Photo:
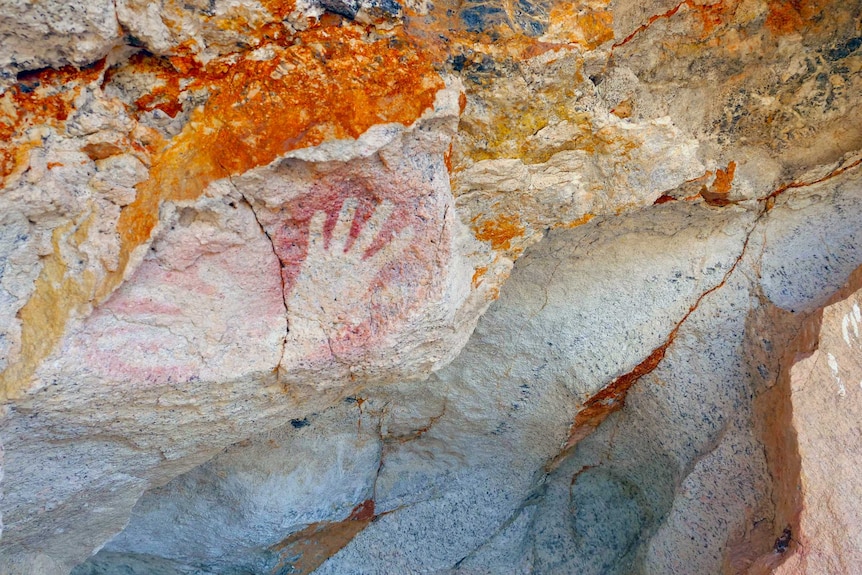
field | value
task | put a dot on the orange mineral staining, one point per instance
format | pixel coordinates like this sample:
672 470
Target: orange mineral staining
612 398
579 24
717 194
56 296
789 16
44 97
333 81
711 17
305 550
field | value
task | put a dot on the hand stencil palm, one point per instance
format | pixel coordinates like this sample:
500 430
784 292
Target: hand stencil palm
331 291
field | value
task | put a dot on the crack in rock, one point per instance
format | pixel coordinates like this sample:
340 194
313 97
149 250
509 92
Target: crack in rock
280 274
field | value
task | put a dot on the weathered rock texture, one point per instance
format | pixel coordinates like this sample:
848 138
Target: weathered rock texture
823 389
435 287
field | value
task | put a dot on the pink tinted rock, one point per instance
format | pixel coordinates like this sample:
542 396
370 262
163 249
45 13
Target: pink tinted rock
826 394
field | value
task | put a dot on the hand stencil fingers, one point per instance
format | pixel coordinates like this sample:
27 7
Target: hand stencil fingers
331 291
373 227
315 233
392 250
341 231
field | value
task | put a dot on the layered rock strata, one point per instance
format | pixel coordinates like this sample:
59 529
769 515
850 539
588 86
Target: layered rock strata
247 249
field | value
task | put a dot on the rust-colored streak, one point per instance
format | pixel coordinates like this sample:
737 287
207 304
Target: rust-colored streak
612 397
770 199
650 21
500 232
304 551
711 16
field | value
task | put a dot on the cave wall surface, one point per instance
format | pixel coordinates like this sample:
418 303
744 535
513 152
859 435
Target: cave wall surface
477 287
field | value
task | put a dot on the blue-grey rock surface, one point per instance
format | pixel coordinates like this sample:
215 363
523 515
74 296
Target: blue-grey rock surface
468 470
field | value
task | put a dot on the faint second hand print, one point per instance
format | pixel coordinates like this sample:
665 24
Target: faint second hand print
330 296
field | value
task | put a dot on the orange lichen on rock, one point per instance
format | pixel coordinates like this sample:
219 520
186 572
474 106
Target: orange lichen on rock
39 98
575 223
165 94
500 231
586 26
330 82
477 275
279 9
724 179
334 82
305 550
718 193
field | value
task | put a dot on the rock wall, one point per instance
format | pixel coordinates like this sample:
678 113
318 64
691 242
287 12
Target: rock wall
432 287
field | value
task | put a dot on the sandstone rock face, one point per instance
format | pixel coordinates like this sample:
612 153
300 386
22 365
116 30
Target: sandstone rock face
433 287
